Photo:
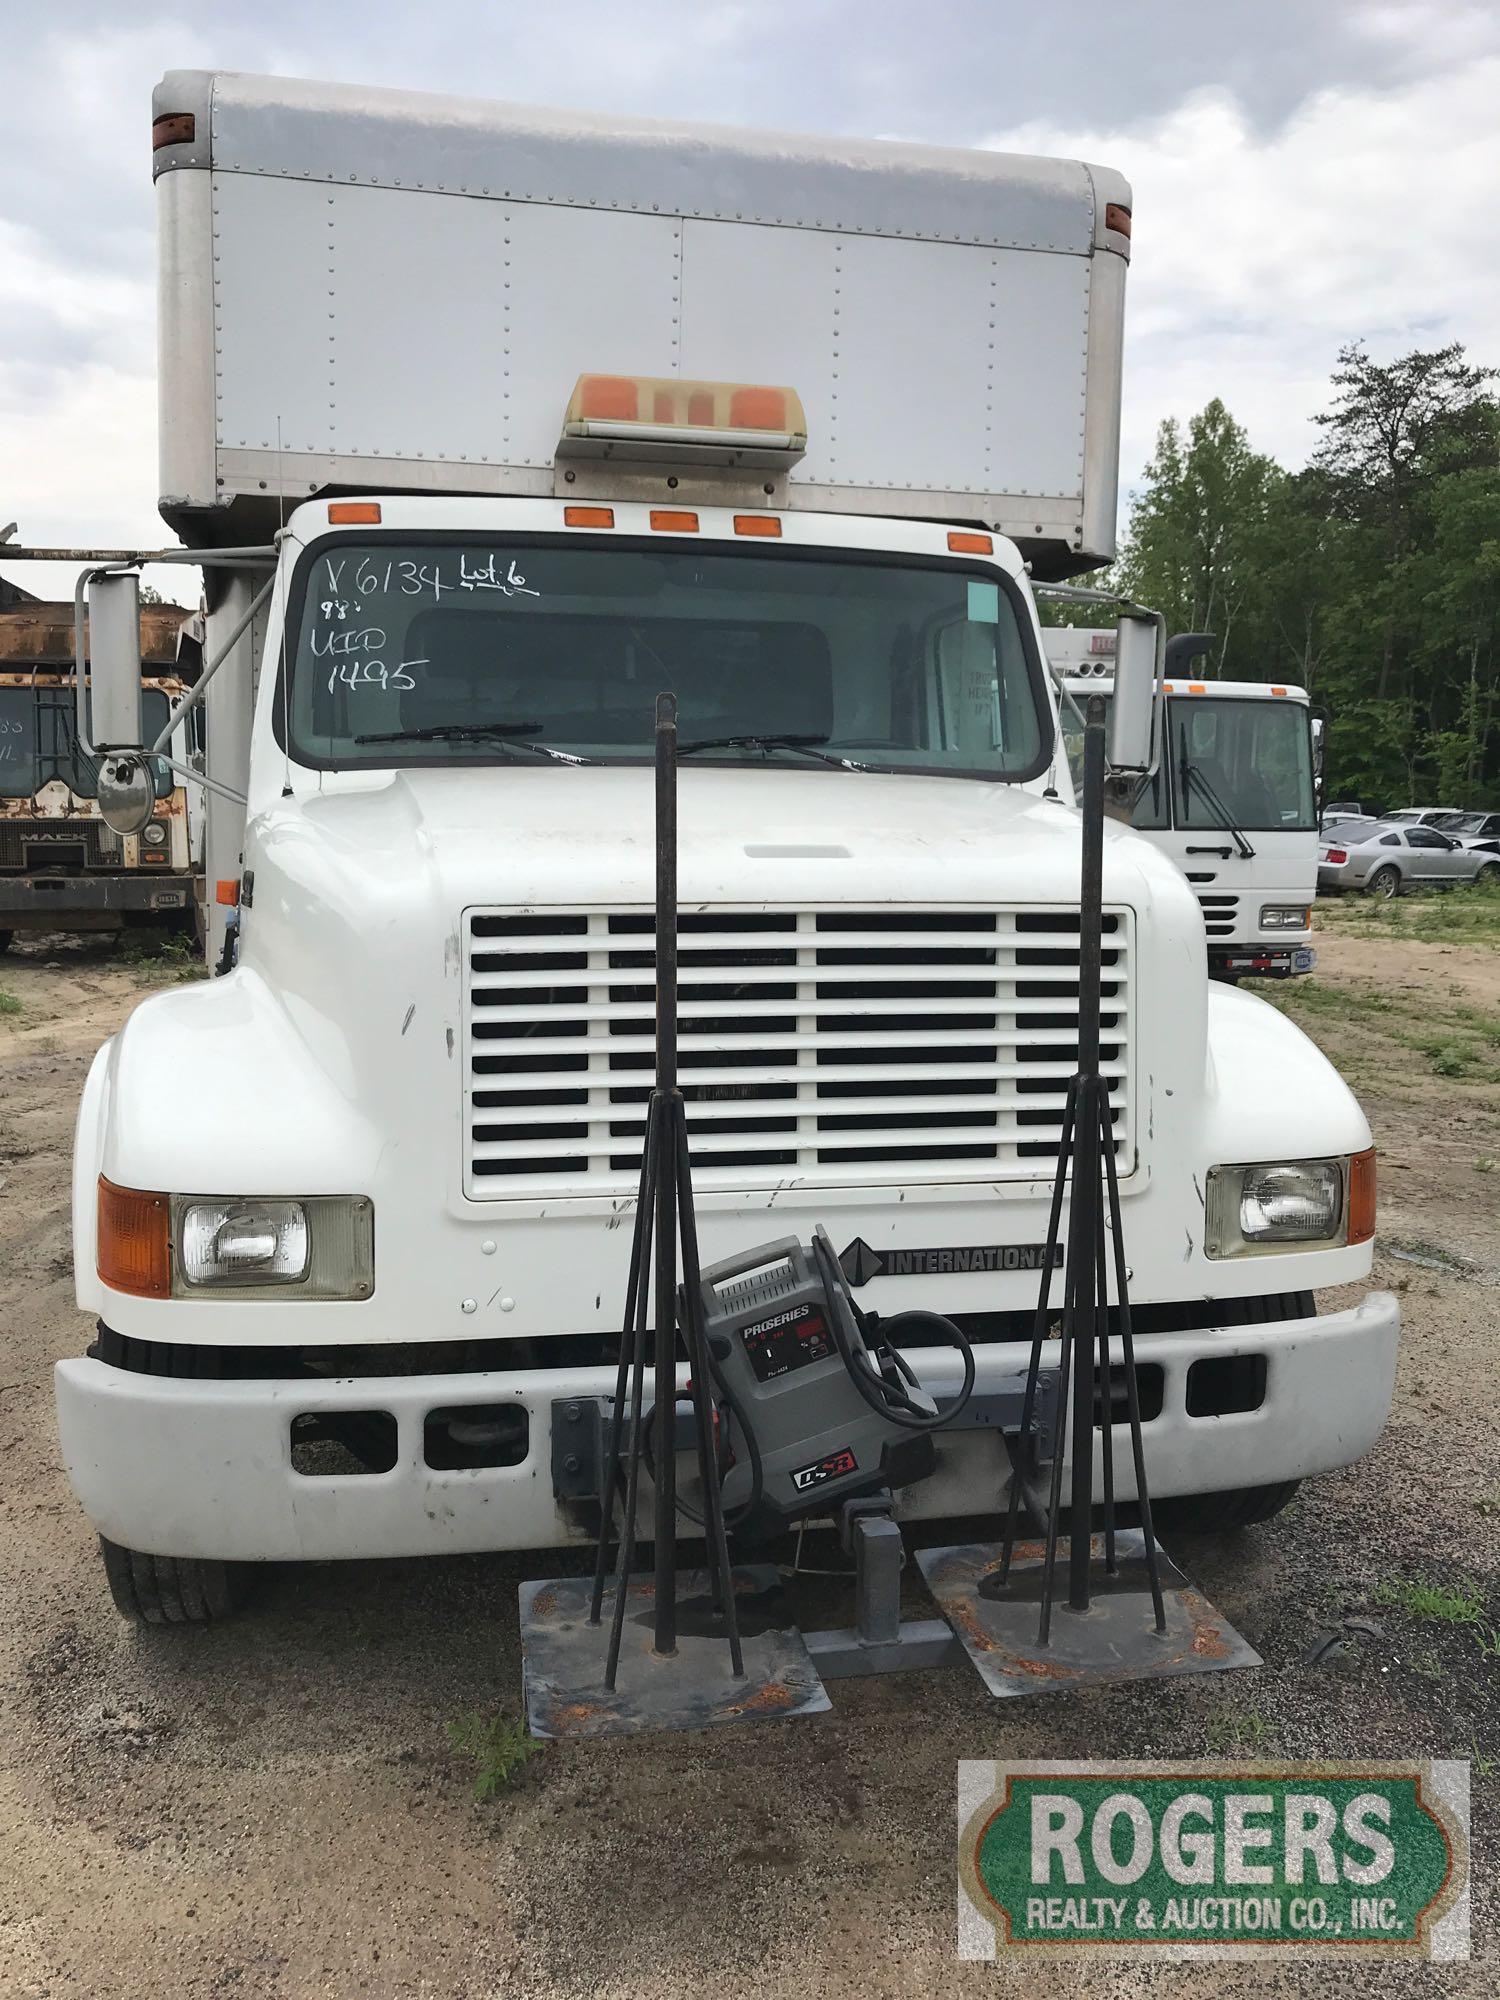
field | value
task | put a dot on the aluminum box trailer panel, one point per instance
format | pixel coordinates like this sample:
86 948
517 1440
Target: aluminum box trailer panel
378 290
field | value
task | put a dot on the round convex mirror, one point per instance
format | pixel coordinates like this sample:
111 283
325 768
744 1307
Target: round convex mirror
126 793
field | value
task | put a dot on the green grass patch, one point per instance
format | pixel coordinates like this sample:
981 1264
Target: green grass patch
1466 915
1435 1603
1232 1733
498 1747
9 1004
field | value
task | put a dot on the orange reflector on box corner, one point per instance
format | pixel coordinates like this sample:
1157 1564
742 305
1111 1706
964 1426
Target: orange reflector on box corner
354 513
756 524
589 517
1117 218
971 545
1362 1197
174 128
227 892
667 523
134 1249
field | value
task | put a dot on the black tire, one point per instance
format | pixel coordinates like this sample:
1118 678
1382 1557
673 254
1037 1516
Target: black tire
167 1590
5 938
1489 874
1385 883
171 1590
1222 1513
1241 1506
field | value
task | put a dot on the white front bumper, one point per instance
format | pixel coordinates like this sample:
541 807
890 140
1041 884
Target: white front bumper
184 1468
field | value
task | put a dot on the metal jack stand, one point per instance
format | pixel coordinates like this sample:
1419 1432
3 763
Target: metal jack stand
720 1652
995 1598
880 1642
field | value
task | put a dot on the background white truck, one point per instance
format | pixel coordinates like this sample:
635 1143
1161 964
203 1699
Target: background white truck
358 1295
1233 802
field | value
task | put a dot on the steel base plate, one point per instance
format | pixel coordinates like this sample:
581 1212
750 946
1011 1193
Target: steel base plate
563 1659
1114 1640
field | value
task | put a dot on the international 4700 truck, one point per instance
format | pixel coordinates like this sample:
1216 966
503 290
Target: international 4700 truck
519 418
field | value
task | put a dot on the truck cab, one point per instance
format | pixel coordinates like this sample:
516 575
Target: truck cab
363 1295
1233 803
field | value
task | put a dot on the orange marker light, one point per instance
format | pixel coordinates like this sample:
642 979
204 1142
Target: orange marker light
227 892
589 517
1278 690
971 545
1117 218
1197 687
354 513
756 524
1362 1197
134 1252
667 523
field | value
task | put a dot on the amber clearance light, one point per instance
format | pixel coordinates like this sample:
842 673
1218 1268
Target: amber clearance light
134 1252
1362 1197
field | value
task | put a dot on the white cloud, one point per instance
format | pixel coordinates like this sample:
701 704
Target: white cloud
1258 254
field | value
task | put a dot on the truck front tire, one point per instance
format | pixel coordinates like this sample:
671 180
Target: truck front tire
1222 1513
171 1590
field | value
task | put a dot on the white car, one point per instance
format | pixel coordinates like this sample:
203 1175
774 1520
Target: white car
1422 815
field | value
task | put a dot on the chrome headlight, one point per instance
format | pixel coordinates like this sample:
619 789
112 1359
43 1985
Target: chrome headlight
154 835
240 1246
1285 917
1268 1206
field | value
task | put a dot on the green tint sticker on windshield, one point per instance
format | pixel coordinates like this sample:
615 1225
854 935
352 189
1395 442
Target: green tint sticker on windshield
984 602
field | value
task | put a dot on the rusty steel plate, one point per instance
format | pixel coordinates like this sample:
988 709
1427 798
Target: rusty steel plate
563 1659
1114 1640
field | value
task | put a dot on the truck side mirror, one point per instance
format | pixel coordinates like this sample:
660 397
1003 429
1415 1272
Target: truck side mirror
1136 682
125 788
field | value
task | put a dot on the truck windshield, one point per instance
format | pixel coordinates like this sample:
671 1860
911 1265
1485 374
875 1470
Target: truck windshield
39 742
900 663
1252 760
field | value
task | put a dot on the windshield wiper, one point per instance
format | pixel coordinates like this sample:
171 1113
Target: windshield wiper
505 735
1191 775
806 746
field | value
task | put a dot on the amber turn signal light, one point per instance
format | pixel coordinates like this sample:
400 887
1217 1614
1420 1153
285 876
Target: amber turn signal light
971 545
1362 1197
134 1252
354 513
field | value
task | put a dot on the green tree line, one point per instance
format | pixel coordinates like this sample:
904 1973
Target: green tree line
1371 577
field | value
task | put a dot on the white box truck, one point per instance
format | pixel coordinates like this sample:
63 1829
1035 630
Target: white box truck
1233 801
544 414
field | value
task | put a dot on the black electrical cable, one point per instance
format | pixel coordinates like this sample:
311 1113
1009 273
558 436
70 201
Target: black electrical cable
742 1512
885 1397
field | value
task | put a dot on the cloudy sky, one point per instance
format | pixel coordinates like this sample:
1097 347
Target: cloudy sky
1306 172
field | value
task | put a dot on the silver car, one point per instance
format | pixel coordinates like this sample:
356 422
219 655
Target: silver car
1386 858
1471 829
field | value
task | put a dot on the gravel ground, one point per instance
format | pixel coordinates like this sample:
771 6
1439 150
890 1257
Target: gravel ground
271 1808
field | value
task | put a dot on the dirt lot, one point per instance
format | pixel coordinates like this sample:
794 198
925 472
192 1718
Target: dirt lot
272 1808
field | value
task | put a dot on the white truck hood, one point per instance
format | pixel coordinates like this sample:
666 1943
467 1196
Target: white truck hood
523 836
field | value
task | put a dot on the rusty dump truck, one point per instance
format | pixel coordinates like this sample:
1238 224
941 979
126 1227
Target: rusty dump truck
61 867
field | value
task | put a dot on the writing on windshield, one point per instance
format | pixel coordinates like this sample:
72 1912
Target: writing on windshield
405 650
